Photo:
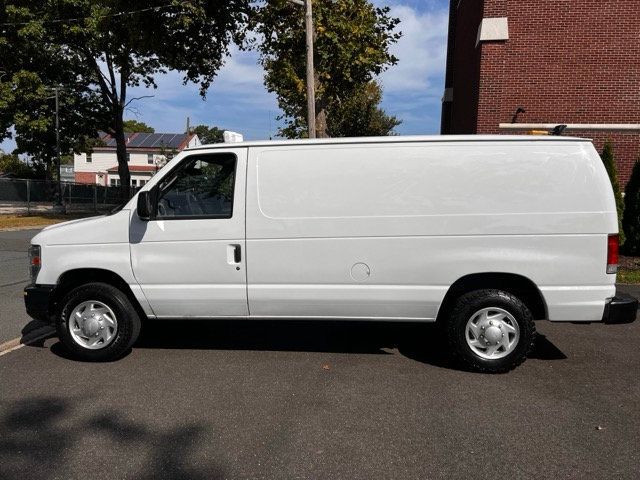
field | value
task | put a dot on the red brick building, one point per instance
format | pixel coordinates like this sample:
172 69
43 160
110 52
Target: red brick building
572 62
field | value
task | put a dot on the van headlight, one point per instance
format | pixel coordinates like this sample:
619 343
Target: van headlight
35 262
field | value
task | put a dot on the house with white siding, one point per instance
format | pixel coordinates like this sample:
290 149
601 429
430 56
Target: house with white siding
146 154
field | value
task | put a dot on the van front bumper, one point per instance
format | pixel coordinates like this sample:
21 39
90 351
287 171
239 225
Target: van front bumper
37 300
621 309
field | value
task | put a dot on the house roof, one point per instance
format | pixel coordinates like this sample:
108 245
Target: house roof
176 141
135 168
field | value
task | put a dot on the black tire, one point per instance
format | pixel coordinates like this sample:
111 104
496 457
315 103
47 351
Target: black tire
470 303
128 320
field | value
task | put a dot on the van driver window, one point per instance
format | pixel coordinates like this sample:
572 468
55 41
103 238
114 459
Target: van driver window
201 187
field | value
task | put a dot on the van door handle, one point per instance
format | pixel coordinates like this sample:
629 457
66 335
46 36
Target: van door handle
234 254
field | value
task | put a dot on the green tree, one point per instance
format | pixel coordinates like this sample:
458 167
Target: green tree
12 164
208 135
114 45
134 126
631 216
351 46
609 161
361 116
28 73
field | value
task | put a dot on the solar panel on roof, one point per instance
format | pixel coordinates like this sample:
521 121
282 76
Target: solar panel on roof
152 140
139 140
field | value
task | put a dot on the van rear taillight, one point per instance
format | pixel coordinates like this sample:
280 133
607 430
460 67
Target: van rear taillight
612 253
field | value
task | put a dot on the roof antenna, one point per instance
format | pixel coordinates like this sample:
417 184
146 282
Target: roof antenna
557 130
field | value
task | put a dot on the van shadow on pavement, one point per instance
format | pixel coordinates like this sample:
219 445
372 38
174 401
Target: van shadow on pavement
421 342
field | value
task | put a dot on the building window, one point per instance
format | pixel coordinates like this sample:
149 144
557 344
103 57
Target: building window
114 182
89 159
128 157
143 183
134 183
150 158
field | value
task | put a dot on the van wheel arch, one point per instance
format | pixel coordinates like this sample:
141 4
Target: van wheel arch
74 278
518 285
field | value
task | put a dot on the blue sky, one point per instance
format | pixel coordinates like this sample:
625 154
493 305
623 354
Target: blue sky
238 100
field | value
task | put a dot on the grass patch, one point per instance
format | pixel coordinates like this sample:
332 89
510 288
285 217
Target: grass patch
36 220
626 275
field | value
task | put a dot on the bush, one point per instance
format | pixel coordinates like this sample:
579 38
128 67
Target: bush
631 217
610 164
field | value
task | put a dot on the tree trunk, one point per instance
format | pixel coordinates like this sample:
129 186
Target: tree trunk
321 124
121 153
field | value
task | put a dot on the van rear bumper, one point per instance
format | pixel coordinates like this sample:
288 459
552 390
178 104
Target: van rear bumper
621 309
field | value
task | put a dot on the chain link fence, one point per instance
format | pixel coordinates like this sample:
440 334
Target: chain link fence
20 196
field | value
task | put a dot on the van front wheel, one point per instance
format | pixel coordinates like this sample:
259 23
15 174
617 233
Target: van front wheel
97 322
491 331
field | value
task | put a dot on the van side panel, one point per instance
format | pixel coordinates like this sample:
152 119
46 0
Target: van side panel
383 230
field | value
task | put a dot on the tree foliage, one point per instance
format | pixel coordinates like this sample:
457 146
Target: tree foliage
609 161
351 46
631 216
113 45
134 126
28 73
209 135
361 116
10 163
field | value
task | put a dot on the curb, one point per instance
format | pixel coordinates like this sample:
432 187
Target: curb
19 229
41 333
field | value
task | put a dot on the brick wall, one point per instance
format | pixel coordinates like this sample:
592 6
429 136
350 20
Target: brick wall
570 61
85 177
463 68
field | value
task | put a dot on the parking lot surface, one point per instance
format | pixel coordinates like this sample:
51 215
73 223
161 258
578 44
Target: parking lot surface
14 275
249 399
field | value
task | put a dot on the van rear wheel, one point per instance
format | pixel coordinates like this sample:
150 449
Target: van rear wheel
97 322
491 331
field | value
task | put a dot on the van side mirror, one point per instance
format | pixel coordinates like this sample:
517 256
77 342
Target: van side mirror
145 205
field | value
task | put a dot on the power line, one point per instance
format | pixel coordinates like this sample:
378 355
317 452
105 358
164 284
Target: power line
71 20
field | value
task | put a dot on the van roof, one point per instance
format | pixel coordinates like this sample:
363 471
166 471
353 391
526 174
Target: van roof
396 139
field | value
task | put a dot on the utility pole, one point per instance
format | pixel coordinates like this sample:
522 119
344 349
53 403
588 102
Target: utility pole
59 205
311 90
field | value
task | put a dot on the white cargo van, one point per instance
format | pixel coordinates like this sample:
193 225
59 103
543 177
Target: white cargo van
481 234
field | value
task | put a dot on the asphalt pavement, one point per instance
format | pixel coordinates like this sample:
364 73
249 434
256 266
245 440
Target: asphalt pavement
14 275
310 399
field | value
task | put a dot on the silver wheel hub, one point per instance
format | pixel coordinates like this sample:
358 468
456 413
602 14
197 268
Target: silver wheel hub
93 325
492 333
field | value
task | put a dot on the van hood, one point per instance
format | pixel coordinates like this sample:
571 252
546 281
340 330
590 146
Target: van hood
93 230
70 222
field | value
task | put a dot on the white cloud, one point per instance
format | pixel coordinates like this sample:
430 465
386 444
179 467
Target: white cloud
413 87
421 51
236 100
